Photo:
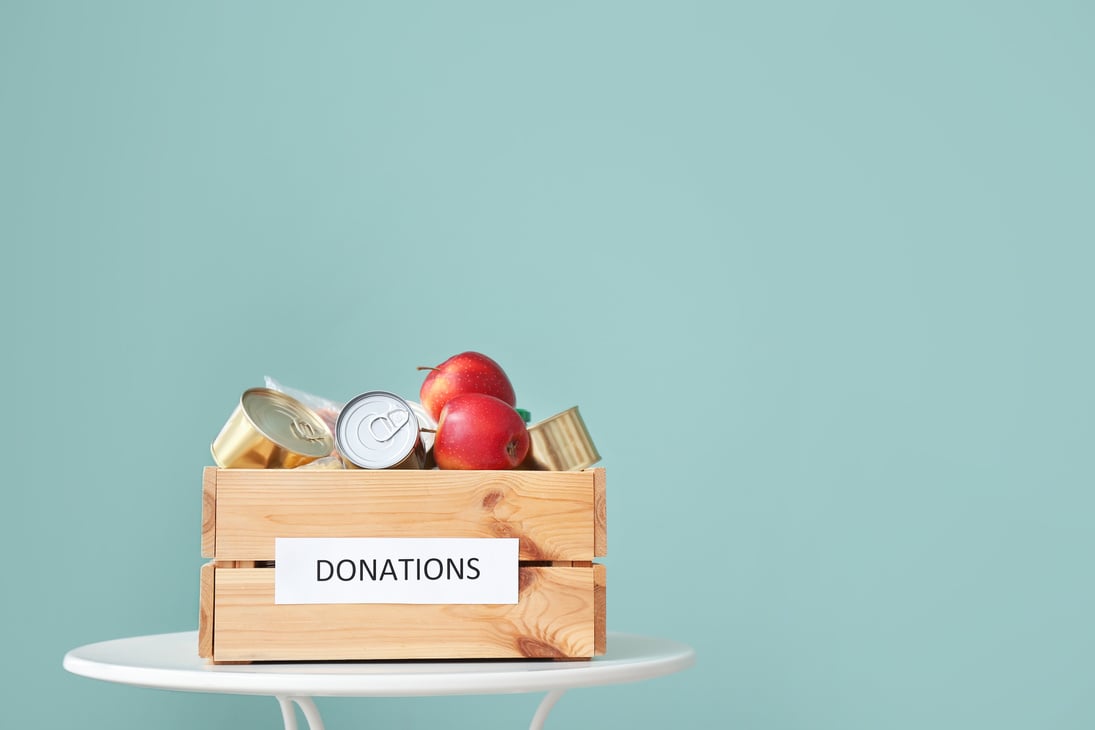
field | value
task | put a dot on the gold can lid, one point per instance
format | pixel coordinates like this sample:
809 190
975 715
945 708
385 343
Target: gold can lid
287 422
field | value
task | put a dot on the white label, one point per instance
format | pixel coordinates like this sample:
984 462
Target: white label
395 570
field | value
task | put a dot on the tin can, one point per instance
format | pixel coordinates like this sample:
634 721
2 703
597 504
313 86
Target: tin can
561 443
271 430
378 430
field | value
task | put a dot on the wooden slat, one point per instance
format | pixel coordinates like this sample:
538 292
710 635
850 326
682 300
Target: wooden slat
549 511
209 512
600 611
554 619
205 611
600 513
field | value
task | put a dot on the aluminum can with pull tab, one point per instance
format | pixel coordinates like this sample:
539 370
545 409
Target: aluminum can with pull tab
378 430
271 430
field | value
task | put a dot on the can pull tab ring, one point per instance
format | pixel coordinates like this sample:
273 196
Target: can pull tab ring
390 424
305 431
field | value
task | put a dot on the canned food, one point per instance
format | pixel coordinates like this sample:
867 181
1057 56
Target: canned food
561 443
378 430
271 430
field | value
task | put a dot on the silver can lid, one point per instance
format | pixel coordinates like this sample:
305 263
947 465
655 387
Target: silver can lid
376 430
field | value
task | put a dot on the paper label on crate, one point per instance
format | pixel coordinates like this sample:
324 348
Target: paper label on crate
316 570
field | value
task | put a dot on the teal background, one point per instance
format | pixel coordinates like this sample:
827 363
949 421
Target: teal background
819 276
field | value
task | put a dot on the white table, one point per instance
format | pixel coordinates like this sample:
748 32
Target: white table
170 661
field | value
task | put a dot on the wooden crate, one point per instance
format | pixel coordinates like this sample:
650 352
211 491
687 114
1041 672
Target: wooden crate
558 517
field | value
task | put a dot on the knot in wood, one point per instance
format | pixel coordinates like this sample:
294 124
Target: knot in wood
492 498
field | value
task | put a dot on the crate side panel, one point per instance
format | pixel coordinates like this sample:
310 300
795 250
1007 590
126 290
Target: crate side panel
550 512
553 619
205 611
600 513
209 511
600 610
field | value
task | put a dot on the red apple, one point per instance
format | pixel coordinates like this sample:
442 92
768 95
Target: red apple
468 372
479 431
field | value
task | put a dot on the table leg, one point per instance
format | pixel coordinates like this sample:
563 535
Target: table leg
542 711
315 722
306 705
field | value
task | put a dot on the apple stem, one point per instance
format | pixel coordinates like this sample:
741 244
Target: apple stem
426 367
428 430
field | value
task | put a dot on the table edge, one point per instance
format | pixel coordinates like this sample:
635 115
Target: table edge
506 681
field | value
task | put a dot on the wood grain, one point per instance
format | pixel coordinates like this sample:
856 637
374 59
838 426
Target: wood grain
209 512
549 511
600 513
205 611
554 618
600 609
